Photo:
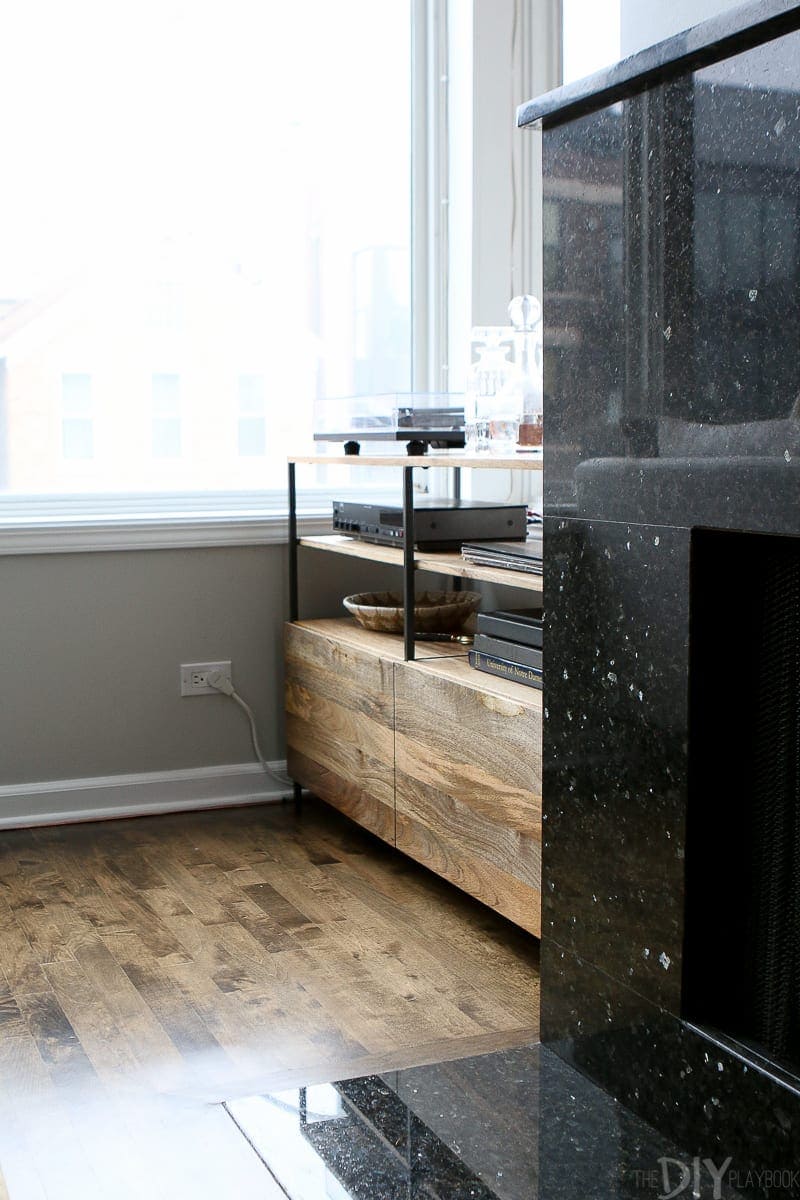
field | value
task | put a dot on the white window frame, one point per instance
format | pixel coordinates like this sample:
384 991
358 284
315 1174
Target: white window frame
510 39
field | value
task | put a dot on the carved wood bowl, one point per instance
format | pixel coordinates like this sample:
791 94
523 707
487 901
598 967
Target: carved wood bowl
434 612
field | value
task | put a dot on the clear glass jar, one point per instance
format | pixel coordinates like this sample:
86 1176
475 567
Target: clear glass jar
525 313
492 421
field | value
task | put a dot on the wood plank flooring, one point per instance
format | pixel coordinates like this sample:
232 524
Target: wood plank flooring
151 969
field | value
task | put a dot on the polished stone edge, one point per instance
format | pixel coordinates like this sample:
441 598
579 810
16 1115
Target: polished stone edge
519 1125
709 42
676 1077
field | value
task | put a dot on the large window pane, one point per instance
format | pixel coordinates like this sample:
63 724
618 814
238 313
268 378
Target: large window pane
197 195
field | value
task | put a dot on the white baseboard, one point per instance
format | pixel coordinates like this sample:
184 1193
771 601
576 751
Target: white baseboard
106 796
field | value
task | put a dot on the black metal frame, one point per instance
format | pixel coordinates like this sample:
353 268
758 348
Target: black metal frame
408 564
409 630
293 588
408 554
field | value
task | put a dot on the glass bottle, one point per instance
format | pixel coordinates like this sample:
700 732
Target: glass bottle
525 313
491 423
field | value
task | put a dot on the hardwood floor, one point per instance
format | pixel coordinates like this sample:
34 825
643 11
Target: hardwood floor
151 969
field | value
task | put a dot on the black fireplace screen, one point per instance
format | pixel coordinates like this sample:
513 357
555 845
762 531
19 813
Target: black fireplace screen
742 965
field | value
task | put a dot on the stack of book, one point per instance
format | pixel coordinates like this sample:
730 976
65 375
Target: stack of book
509 644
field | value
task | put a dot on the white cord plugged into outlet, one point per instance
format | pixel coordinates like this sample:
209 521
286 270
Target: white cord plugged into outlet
222 683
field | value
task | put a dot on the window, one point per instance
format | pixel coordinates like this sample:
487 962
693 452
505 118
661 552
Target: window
591 37
239 203
245 216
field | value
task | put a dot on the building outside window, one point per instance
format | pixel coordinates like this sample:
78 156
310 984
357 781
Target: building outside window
226 228
77 416
252 421
166 416
311 220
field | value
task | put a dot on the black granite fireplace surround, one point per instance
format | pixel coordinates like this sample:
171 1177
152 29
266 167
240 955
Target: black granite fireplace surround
672 382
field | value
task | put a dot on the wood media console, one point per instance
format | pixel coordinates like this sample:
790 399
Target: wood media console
405 738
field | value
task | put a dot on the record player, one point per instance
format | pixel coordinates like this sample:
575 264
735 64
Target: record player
420 419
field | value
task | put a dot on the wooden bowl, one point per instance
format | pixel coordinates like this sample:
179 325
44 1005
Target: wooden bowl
434 612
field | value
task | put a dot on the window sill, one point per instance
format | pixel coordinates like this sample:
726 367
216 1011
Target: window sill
151 533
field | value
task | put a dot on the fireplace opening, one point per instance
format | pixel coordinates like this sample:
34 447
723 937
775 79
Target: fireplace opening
742 918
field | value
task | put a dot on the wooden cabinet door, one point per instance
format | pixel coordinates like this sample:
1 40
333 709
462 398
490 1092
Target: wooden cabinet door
339 727
468 785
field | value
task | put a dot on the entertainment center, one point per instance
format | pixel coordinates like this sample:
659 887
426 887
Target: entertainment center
403 736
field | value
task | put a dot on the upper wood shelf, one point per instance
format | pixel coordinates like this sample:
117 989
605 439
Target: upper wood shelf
441 562
520 462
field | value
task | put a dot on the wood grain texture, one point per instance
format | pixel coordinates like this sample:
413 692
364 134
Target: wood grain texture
388 646
439 563
456 668
468 788
519 462
340 726
464 797
151 969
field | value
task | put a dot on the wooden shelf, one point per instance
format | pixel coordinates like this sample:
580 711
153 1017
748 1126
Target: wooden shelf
458 670
448 563
382 645
519 462
442 659
338 544
441 563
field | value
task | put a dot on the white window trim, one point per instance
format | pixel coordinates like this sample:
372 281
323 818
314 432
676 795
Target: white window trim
77 524
430 269
158 533
517 52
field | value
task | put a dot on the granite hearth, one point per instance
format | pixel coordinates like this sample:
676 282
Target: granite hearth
515 1125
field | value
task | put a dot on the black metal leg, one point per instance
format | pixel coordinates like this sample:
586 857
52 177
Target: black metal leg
408 562
458 582
293 598
297 790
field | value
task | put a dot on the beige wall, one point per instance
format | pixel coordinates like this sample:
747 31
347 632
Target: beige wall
90 646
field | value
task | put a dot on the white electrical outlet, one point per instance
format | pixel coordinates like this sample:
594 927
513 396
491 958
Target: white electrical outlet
194 677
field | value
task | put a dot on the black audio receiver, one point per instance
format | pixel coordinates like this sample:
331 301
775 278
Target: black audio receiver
438 524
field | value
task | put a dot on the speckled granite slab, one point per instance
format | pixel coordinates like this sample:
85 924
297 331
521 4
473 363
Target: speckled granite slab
515 1125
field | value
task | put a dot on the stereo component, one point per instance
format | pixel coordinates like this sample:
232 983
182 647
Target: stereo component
438 524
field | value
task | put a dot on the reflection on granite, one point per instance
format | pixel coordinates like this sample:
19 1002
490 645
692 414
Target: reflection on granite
672 298
714 1102
729 32
514 1125
615 750
717 492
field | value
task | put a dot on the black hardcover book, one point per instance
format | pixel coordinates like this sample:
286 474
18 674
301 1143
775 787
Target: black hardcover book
530 676
523 625
525 656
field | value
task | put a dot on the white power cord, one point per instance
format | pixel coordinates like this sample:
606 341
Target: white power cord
221 683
